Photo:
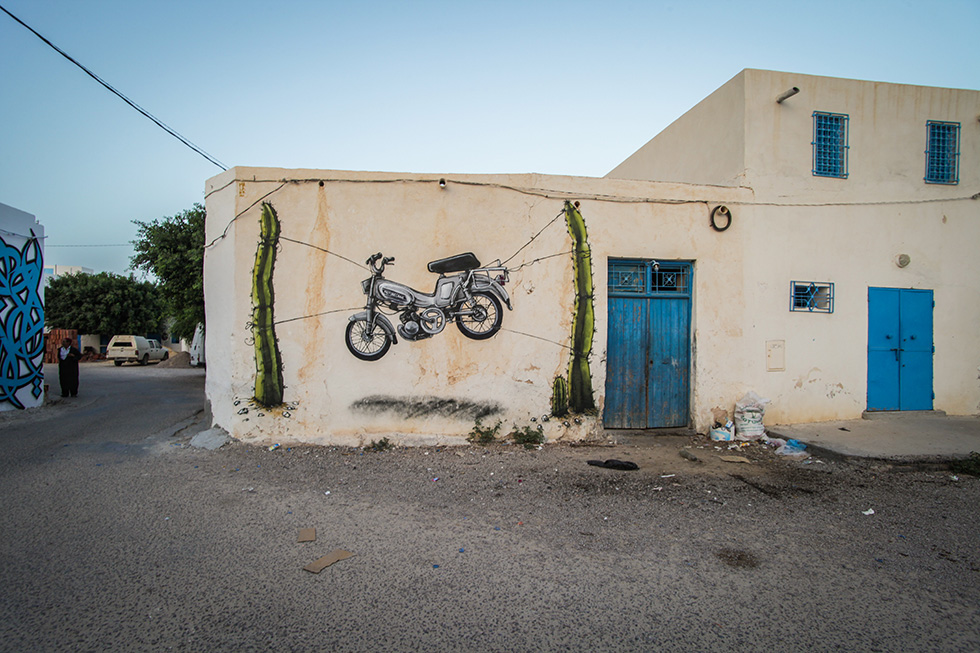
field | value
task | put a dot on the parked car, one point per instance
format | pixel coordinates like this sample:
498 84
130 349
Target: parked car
135 349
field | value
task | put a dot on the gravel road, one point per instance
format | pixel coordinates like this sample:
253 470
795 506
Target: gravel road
149 544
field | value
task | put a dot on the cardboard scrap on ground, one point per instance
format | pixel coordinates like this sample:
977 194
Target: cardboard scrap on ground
334 556
735 459
307 535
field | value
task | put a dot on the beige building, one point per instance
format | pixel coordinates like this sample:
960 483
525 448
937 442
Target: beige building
793 248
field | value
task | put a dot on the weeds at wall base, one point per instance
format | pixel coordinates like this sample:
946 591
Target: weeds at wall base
480 434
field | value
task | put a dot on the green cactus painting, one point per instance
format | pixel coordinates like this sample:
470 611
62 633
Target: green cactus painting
268 362
559 397
580 398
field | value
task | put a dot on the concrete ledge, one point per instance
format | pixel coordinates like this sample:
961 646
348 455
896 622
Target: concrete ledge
901 414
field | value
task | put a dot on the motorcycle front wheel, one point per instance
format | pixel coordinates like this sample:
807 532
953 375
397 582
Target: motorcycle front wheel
368 344
480 318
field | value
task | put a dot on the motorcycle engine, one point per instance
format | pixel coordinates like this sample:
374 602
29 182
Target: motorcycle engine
410 329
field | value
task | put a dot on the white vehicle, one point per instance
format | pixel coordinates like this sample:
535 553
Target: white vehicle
135 349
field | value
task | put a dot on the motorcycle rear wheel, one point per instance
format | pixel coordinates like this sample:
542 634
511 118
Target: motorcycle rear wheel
368 346
483 316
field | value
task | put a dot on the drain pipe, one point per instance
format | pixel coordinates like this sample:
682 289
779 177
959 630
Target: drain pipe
785 95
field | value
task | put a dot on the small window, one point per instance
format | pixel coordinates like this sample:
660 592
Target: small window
628 277
811 296
649 278
830 144
943 152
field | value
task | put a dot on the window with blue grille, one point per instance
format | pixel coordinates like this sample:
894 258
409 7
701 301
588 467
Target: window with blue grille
830 144
942 152
811 296
649 278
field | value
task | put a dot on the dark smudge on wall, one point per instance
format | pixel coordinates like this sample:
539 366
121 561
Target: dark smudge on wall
409 407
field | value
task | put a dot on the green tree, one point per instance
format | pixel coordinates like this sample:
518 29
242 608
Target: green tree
172 249
103 303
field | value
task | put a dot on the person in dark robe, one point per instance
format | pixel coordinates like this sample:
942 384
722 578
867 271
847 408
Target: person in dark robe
68 356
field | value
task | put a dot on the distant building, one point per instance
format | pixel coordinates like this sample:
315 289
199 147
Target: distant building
55 271
21 310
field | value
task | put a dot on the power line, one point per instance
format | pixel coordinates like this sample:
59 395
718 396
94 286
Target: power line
106 245
125 99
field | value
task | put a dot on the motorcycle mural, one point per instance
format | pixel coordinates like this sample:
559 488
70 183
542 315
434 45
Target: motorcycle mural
465 293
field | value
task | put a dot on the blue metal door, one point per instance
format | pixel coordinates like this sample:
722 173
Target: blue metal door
648 349
900 349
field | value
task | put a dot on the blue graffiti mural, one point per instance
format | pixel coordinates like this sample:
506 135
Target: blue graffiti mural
21 321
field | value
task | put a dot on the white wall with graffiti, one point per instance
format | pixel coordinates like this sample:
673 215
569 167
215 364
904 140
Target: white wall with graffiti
287 255
21 310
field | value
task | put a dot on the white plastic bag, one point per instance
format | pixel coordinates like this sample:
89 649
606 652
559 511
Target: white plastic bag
749 411
724 433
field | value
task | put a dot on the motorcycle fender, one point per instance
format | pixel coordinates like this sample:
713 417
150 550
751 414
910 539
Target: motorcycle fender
497 290
381 320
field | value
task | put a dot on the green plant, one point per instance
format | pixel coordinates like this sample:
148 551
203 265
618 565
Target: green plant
384 444
580 399
480 434
969 465
527 436
268 361
559 397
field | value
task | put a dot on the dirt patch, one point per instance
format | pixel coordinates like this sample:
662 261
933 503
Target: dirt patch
738 559
180 359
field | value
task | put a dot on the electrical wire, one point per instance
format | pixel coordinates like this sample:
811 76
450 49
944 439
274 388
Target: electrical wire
125 99
113 245
599 197
241 213
538 260
306 317
553 220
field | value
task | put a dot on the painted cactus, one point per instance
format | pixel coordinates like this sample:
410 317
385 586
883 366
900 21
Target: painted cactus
268 362
580 399
559 397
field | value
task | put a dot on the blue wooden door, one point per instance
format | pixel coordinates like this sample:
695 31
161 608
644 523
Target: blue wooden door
900 349
648 348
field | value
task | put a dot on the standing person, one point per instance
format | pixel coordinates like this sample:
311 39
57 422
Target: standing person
68 368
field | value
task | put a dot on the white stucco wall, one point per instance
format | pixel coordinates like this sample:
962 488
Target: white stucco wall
887 138
741 297
21 312
787 226
357 214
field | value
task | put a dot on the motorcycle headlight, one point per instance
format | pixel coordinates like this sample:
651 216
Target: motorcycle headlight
366 286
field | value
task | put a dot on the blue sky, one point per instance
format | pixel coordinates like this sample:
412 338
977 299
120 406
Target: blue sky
442 87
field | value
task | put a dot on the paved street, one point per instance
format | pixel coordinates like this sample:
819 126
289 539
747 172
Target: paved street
119 536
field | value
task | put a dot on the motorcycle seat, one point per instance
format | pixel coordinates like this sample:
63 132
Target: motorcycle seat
457 263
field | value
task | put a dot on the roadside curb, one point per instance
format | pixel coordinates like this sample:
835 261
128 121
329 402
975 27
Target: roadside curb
909 463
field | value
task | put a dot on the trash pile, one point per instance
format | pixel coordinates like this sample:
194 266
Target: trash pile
748 427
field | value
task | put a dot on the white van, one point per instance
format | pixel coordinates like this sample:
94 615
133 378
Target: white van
135 349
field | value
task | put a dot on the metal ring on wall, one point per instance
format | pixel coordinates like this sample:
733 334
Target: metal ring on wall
721 210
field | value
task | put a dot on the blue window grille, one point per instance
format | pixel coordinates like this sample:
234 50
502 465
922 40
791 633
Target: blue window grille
811 296
649 278
830 144
943 152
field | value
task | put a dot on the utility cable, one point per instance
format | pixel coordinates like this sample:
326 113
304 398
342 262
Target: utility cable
538 260
112 245
306 317
125 99
553 220
241 213
622 199
322 249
